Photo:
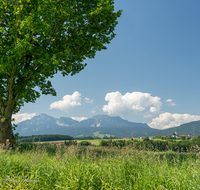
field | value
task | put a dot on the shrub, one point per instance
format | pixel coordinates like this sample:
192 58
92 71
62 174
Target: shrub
70 143
85 143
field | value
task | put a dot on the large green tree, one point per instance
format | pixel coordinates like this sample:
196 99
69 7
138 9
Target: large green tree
39 38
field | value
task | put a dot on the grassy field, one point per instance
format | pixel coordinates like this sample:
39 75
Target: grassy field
97 141
57 167
93 141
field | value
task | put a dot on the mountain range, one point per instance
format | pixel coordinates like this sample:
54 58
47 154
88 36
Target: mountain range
100 125
191 128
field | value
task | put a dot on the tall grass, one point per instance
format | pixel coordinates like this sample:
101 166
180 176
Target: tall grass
61 167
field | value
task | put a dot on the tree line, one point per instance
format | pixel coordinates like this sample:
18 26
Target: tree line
152 145
56 137
38 138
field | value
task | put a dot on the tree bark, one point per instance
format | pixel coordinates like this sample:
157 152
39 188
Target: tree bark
6 111
6 130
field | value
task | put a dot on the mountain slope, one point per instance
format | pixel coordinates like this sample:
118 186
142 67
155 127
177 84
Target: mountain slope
192 128
107 121
116 126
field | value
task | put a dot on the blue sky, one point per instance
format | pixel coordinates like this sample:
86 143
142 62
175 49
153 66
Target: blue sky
148 74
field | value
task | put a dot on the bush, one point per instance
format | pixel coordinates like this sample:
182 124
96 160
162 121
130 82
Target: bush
146 139
105 142
85 143
70 143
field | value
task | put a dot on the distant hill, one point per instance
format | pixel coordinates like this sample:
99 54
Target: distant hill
100 124
192 128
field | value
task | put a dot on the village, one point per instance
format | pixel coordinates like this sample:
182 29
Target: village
173 136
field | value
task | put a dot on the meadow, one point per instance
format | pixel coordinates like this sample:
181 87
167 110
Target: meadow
47 166
93 141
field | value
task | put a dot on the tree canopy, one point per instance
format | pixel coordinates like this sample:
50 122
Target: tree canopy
39 38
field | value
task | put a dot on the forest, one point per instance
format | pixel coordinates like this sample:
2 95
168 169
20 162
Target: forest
38 138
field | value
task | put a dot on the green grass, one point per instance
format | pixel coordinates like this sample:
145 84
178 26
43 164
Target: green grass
57 167
93 141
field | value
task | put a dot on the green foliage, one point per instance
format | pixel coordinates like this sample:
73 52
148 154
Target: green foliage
85 143
183 138
70 143
42 138
21 147
39 38
156 145
117 143
146 139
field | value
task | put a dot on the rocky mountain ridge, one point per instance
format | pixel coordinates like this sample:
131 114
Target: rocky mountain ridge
45 124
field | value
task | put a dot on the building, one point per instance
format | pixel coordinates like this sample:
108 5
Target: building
174 134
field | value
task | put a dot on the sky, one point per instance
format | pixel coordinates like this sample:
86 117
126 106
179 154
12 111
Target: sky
149 72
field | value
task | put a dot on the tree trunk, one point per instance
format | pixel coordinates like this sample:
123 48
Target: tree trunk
6 130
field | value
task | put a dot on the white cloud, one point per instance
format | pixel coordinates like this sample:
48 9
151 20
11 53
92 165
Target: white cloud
92 111
19 117
79 118
153 109
168 120
68 102
170 102
131 103
89 101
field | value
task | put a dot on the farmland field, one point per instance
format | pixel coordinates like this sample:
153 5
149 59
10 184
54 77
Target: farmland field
57 167
93 141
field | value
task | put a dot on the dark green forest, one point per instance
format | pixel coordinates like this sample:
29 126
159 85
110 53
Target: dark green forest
41 138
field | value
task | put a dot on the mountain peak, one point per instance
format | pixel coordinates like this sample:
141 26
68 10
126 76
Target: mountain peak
45 124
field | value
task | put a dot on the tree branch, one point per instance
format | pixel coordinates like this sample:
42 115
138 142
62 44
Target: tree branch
9 106
1 98
31 73
53 32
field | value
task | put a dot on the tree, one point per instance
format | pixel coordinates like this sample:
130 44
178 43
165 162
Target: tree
183 137
146 139
39 38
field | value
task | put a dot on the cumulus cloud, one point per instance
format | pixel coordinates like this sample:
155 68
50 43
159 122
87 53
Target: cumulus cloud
19 117
68 102
79 118
153 109
131 103
170 102
89 101
168 120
